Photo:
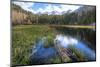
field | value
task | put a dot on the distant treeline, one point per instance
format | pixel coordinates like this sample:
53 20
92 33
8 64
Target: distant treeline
84 15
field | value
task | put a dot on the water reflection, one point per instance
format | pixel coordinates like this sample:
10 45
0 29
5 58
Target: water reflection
86 35
62 47
71 45
40 54
66 41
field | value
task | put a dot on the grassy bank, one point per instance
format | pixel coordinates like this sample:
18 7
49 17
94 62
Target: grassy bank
74 26
23 39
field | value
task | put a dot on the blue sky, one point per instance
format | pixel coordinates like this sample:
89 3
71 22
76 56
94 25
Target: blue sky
45 7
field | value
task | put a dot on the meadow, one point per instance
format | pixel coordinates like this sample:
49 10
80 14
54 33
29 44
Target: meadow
23 39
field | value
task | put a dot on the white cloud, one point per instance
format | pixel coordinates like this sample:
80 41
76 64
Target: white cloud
48 0
49 8
60 9
91 2
69 7
25 5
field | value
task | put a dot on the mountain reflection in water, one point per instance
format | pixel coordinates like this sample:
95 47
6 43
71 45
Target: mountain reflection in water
66 41
42 55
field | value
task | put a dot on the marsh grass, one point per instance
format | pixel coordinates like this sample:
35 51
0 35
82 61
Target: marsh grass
80 56
23 39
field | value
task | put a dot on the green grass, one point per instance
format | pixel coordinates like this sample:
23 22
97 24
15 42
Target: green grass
74 26
80 56
25 36
23 39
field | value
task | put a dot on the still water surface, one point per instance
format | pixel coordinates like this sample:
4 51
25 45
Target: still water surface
81 39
